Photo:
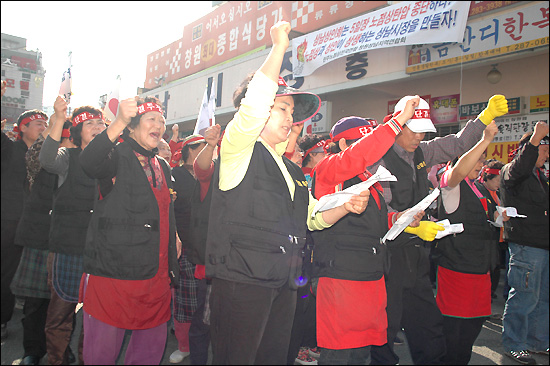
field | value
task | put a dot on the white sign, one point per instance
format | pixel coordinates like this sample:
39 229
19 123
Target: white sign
405 23
511 128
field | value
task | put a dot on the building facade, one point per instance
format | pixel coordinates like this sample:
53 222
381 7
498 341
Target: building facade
504 51
24 75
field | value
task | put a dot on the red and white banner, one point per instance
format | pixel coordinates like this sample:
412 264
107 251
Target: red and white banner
111 106
206 116
405 23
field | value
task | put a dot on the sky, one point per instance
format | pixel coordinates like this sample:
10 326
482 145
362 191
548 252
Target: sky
106 39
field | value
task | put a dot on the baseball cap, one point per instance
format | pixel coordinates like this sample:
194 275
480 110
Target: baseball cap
420 122
352 128
306 105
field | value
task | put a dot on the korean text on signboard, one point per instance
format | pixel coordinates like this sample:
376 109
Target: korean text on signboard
404 23
236 28
517 30
470 111
445 109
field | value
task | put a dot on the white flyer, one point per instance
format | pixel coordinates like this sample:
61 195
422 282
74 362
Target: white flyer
339 198
449 228
408 217
510 212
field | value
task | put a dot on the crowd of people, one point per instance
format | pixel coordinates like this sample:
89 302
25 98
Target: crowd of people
219 234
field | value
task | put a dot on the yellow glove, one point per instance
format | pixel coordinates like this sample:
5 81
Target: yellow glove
427 230
498 106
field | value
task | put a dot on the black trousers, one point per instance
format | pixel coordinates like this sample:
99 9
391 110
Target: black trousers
411 306
460 335
351 356
304 327
34 322
250 324
11 255
199 333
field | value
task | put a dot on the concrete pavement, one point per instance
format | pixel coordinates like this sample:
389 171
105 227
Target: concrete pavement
487 349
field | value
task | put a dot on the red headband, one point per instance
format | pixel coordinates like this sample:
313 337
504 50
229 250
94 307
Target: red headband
149 107
191 140
492 171
353 133
32 117
317 145
85 116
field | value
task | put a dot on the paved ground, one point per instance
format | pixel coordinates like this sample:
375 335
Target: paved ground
487 349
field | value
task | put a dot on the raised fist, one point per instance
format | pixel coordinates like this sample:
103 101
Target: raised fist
60 108
498 106
212 135
279 33
126 110
490 131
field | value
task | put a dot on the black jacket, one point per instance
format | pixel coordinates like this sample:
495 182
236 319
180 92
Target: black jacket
351 249
123 240
34 227
73 204
256 231
520 188
186 186
406 192
475 249
14 177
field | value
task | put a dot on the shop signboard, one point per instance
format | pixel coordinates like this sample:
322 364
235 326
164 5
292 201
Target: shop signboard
518 30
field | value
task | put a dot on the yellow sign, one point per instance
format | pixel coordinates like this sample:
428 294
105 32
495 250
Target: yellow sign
480 55
539 103
208 50
501 151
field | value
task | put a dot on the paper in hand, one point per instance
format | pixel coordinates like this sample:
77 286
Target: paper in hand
404 220
339 198
510 212
449 228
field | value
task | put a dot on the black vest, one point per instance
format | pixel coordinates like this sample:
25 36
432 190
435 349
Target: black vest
256 231
530 198
198 227
185 186
406 192
351 249
123 240
34 227
73 204
14 179
475 249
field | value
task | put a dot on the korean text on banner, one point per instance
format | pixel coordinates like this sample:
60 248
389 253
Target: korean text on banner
405 23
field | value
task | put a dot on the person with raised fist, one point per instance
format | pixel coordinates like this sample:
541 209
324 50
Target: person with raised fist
14 189
260 210
411 302
465 260
130 256
73 202
524 186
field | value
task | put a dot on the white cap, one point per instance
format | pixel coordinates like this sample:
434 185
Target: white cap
421 121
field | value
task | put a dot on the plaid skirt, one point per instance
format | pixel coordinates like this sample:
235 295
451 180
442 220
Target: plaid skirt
31 277
184 297
66 274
